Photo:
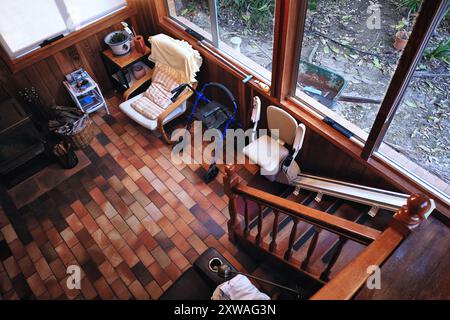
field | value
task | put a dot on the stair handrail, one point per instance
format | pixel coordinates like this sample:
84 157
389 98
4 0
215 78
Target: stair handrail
348 229
353 277
381 245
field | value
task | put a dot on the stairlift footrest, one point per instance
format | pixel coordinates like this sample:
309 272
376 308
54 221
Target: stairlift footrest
373 211
318 197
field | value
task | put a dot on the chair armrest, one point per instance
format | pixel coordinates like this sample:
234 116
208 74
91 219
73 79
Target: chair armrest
182 98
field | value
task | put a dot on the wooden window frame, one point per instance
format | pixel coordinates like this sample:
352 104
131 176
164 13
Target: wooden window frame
18 64
425 24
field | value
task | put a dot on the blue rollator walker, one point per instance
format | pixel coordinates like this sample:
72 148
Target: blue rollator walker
213 115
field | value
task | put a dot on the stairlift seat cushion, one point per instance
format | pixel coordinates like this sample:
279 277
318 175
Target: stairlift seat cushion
267 153
278 119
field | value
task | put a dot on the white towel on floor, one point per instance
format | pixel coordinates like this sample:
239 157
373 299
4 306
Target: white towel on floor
238 288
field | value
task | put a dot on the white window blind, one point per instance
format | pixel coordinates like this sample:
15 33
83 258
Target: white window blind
25 24
83 12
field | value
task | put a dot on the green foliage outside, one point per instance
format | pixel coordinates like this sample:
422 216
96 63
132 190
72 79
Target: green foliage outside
412 5
256 14
441 52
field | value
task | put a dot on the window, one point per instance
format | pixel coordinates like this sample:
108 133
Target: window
83 12
243 30
420 129
25 24
193 14
246 27
348 57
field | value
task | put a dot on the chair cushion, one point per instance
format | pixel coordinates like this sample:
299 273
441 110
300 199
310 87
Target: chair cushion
147 108
164 80
144 121
137 116
157 97
267 153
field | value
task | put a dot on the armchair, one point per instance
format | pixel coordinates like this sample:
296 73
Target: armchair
175 63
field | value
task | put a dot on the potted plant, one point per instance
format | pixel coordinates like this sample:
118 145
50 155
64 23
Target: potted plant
119 42
400 40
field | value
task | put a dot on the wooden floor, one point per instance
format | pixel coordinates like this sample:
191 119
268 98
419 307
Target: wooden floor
134 221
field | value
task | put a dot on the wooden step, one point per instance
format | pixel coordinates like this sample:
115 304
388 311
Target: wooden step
284 225
323 205
328 241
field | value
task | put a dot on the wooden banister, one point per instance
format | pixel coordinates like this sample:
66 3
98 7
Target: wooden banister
351 230
347 282
348 229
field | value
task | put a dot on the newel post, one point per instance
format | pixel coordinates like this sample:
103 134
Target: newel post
411 215
230 180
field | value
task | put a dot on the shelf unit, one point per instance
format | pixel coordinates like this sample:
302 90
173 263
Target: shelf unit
90 98
119 66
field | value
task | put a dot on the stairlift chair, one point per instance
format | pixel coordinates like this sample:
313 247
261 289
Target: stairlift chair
276 153
176 62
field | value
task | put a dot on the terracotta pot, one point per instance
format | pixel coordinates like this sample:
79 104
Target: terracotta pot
139 44
138 72
400 40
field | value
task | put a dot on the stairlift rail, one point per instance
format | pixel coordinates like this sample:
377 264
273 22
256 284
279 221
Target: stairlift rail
374 197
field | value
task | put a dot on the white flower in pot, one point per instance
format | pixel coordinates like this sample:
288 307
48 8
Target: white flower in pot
119 42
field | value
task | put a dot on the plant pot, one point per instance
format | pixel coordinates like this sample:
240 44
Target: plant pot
138 71
400 40
139 44
119 42
66 157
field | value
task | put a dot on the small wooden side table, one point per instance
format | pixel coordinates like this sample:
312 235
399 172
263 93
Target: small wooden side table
120 69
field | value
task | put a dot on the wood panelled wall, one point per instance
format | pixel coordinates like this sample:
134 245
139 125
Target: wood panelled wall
318 156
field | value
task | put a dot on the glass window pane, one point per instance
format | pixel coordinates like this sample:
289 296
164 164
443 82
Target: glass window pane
193 14
419 135
348 56
246 32
24 24
83 12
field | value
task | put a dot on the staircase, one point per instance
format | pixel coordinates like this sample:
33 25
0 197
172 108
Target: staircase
318 237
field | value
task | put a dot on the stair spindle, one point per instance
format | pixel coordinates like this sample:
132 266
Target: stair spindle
311 248
260 224
292 239
273 244
246 223
325 274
